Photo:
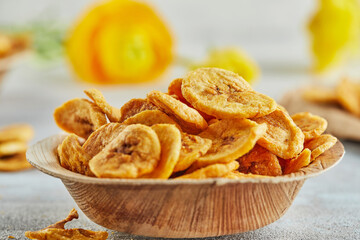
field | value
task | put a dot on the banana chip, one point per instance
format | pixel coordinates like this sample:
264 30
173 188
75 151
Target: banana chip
175 89
348 94
238 175
170 141
12 147
261 162
150 117
294 165
224 94
79 116
320 95
133 153
283 138
311 125
212 171
73 157
135 106
192 147
320 144
20 132
111 112
231 139
13 163
188 118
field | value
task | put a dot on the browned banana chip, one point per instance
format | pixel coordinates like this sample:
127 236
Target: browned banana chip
212 171
135 106
13 163
224 94
231 139
111 112
79 116
73 157
133 153
175 89
311 125
320 144
57 231
188 118
12 147
283 138
348 94
21 132
238 175
170 141
320 95
101 137
150 117
192 147
260 161
294 165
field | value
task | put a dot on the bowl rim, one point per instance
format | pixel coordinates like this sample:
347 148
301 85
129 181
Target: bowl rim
47 162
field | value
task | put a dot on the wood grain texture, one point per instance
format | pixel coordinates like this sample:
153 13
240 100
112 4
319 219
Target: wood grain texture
180 208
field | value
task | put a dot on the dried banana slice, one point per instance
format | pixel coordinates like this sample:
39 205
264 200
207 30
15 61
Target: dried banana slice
20 132
188 118
294 165
224 94
175 89
12 147
73 157
320 95
135 106
261 162
231 139
170 141
348 94
311 125
133 153
320 144
150 117
79 116
111 112
238 175
212 171
13 163
283 138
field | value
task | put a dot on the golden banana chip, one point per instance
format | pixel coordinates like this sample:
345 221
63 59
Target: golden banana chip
111 112
135 106
311 125
57 231
12 147
238 175
192 147
188 118
294 165
102 137
224 94
320 144
261 162
231 139
149 118
73 157
175 89
170 141
320 95
348 94
283 138
20 132
212 171
13 163
133 153
79 116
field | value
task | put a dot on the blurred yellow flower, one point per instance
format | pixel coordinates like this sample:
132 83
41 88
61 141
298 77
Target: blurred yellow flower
232 59
335 32
120 41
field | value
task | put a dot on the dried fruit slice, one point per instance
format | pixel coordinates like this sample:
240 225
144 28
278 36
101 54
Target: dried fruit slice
102 137
175 89
260 161
311 125
135 106
224 94
212 171
111 112
20 132
73 157
79 116
320 95
348 94
238 175
134 152
192 147
283 138
57 231
320 144
188 118
15 162
150 117
12 147
231 139
294 165
170 141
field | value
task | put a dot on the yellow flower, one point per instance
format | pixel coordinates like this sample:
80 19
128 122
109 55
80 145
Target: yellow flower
120 41
335 32
232 59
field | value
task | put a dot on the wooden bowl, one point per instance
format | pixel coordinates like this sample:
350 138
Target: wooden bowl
180 208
